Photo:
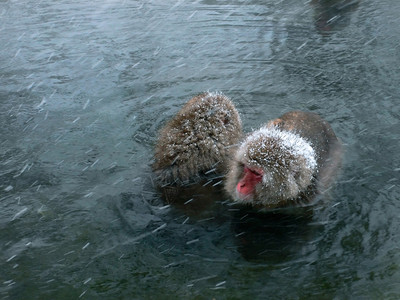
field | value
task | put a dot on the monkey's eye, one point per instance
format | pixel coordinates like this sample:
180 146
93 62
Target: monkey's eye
257 173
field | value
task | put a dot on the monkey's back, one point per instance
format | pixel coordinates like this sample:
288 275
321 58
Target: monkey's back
320 134
197 140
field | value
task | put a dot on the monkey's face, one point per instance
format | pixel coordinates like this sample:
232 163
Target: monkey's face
271 188
248 181
271 169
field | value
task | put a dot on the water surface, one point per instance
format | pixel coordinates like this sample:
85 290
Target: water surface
84 89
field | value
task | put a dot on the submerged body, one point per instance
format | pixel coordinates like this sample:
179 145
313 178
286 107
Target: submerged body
285 163
199 140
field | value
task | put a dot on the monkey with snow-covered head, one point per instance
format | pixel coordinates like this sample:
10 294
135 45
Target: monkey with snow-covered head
285 163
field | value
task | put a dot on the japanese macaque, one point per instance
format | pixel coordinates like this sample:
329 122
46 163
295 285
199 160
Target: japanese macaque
285 163
198 141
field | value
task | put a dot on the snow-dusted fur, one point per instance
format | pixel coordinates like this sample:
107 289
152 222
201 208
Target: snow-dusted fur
200 138
291 151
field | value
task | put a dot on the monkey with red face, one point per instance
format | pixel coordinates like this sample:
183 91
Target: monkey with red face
285 163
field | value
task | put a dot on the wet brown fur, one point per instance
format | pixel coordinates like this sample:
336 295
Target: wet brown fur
327 150
200 138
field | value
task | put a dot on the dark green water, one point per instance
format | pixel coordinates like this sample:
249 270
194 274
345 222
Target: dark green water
84 88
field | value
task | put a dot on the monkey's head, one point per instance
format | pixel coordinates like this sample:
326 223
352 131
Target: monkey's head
199 139
271 168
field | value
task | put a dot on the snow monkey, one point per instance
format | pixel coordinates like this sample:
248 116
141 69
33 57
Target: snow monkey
199 140
285 163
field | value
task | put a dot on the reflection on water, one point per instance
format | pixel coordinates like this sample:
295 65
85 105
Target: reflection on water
84 89
272 237
332 14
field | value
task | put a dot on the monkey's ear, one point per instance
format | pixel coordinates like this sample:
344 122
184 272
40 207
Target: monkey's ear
294 172
226 119
275 123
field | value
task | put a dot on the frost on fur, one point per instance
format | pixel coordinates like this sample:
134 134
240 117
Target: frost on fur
197 139
288 143
287 160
